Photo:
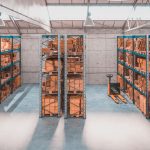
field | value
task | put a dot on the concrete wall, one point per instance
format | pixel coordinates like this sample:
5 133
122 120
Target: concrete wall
101 55
30 59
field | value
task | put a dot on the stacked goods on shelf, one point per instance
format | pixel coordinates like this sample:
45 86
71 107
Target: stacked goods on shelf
5 91
6 44
129 91
5 60
75 100
129 59
120 43
51 68
120 69
16 82
128 43
62 79
139 44
141 64
120 80
10 78
128 75
135 74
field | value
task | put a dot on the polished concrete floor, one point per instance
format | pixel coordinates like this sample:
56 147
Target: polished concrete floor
108 126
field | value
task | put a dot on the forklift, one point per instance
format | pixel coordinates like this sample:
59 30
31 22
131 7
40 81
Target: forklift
114 91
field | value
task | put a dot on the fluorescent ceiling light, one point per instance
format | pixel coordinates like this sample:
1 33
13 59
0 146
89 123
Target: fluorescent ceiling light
88 22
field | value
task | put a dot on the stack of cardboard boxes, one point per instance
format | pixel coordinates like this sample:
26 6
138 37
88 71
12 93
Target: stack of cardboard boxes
50 78
141 64
140 44
75 83
128 44
129 59
50 84
140 101
120 43
6 44
5 60
5 91
120 69
74 65
140 82
16 82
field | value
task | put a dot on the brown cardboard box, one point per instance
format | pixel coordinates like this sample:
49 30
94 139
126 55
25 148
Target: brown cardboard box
143 104
120 80
75 85
76 105
50 85
49 105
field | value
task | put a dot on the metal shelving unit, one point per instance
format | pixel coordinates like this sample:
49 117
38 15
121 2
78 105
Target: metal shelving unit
51 76
10 65
132 49
75 100
64 56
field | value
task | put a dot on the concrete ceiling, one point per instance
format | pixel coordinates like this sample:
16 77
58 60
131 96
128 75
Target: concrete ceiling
83 2
23 27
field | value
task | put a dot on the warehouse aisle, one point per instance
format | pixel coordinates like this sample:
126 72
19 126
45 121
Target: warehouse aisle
108 126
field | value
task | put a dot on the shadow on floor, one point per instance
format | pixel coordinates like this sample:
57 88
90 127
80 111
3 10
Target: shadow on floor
44 134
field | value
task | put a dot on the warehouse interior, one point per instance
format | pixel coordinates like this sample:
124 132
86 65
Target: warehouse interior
115 44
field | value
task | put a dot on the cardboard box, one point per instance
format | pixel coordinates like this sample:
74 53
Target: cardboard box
76 104
50 85
49 105
75 85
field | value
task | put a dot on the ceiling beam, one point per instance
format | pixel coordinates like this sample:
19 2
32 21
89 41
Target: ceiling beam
15 25
97 4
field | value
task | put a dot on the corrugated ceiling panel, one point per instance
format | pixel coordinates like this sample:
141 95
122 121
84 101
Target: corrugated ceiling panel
23 24
78 1
56 24
52 1
67 24
65 1
119 24
9 23
77 24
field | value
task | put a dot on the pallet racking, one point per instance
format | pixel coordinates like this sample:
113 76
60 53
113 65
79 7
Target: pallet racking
51 75
71 66
133 69
75 100
10 65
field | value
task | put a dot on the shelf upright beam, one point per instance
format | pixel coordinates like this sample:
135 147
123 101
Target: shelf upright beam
133 66
147 76
84 74
0 72
40 86
12 41
65 76
59 78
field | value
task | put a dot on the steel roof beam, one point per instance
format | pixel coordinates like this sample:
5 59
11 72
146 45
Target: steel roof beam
15 25
98 4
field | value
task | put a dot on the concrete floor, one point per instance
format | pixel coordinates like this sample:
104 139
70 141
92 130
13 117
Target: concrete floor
108 126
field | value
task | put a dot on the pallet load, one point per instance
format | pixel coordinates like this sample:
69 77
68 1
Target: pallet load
10 64
74 89
62 80
51 76
134 70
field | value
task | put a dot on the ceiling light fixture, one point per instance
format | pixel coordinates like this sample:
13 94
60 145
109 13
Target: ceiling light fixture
88 22
2 23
